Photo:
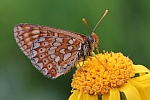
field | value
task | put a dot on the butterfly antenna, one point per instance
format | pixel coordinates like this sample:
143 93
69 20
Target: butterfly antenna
85 22
100 20
94 30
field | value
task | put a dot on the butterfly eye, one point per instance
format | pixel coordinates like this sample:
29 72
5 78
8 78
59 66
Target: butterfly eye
91 39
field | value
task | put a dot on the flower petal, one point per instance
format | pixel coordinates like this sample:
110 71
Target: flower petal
79 95
130 92
76 95
140 68
90 97
140 88
105 96
144 79
114 94
145 82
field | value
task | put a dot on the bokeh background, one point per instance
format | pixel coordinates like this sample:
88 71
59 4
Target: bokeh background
126 29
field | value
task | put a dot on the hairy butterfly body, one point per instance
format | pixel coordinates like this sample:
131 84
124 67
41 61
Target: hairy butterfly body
53 51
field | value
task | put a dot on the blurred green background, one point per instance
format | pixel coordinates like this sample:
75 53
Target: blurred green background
125 29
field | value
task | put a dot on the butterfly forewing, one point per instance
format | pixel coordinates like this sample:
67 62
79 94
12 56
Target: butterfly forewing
25 34
52 51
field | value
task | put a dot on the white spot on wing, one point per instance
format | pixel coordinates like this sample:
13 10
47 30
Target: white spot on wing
51 48
20 28
40 64
34 53
21 32
79 47
74 39
41 39
59 39
26 54
36 45
51 51
66 56
49 76
65 66
20 37
15 29
27 39
24 47
70 47
57 58
34 60
25 34
22 42
55 34
38 67
20 45
35 32
44 71
62 51
70 41
15 34
17 40
56 44
53 56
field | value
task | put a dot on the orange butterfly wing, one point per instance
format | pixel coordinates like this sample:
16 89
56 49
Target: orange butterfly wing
52 51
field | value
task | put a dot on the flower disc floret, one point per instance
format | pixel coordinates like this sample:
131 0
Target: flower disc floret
100 73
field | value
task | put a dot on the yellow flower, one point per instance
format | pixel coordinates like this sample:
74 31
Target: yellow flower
108 76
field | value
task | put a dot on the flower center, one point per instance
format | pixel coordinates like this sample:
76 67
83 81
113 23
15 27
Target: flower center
100 73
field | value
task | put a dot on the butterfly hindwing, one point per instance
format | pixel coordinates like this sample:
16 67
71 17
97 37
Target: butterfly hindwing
54 56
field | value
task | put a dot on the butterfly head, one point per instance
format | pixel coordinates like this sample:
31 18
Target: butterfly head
93 38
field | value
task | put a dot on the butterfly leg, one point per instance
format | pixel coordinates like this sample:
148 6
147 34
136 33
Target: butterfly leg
100 61
82 70
97 48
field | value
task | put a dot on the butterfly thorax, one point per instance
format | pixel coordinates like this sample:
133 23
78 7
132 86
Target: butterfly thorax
88 46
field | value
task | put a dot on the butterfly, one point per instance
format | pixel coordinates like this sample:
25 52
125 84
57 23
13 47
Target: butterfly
53 51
